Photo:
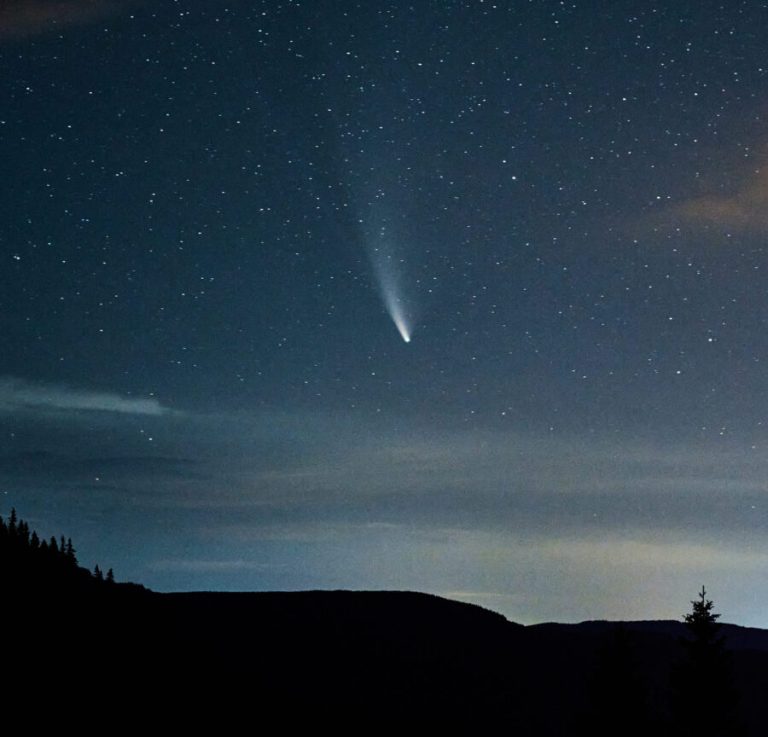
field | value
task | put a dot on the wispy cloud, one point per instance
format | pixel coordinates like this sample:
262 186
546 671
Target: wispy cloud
23 18
746 207
18 395
213 566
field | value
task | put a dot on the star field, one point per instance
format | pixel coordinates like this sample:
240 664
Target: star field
215 213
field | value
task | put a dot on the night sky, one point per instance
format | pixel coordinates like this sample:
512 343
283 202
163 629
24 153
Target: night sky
455 296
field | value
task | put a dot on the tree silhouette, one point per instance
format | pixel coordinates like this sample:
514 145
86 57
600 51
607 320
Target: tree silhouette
704 697
69 551
34 565
702 621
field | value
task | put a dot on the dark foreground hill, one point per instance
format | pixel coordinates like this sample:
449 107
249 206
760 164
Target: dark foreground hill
395 655
78 647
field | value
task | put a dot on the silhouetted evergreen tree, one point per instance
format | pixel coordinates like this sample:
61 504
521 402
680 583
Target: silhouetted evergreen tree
69 551
110 576
704 697
32 565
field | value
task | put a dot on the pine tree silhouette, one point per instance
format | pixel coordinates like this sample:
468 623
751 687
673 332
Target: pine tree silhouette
704 697
69 551
30 564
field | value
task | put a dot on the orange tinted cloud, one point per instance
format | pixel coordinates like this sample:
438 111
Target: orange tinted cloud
745 208
23 18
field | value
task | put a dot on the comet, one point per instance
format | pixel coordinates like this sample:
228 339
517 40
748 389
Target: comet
384 241
395 310
385 268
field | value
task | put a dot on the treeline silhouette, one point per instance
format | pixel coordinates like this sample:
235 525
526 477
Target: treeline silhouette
57 614
327 657
29 562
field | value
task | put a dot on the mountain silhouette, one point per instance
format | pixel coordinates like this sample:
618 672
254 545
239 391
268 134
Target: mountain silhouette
334 657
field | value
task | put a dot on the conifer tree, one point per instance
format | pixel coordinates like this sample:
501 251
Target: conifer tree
70 552
702 621
27 561
704 698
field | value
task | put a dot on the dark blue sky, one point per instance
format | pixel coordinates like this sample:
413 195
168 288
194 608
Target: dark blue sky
214 213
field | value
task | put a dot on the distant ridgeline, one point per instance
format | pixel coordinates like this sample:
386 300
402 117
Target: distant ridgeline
72 639
28 562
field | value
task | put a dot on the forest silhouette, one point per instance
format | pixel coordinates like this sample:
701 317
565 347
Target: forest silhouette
330 656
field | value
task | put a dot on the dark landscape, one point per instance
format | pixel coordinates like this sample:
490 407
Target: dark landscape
332 656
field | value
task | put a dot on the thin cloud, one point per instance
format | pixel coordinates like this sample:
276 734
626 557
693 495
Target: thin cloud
18 395
24 18
746 208
214 566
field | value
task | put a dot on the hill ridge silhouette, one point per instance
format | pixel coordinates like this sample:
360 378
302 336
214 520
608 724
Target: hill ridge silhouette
393 654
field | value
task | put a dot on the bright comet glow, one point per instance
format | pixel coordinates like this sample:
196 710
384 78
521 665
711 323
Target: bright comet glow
397 317
389 287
